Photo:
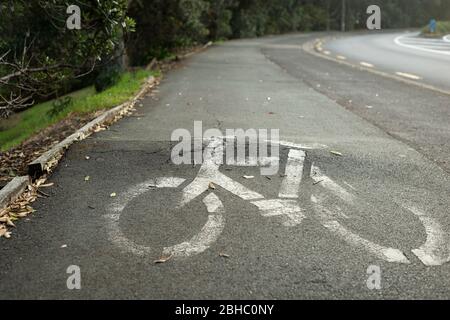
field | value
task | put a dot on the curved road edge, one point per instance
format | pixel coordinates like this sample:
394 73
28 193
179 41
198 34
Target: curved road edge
314 47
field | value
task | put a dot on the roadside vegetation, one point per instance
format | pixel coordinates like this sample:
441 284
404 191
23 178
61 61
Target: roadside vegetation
23 125
442 29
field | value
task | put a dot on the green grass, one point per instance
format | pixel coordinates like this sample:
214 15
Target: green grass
23 125
442 29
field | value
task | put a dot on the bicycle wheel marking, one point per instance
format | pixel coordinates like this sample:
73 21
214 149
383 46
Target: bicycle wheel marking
115 234
294 170
207 235
325 216
384 253
435 251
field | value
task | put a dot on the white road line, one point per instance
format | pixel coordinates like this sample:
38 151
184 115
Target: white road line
305 146
123 199
384 253
294 170
254 161
207 235
168 182
398 41
366 64
320 179
235 187
115 234
408 75
422 41
435 251
209 173
288 209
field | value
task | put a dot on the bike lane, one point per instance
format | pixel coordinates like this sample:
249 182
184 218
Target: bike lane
368 186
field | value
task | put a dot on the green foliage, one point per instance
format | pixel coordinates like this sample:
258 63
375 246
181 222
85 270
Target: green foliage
59 105
108 76
34 36
165 25
442 29
24 124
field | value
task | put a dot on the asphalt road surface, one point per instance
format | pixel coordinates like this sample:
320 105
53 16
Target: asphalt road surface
406 54
382 204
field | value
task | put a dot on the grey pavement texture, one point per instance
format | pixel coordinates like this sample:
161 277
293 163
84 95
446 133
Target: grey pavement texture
393 154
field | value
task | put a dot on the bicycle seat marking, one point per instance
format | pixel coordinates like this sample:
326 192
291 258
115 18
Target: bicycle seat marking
286 208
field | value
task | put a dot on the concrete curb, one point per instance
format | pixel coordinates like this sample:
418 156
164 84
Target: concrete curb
46 161
310 47
13 190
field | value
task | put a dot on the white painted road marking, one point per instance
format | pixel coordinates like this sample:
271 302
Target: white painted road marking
290 185
304 146
412 41
325 216
366 64
408 75
112 219
326 182
435 251
288 209
207 235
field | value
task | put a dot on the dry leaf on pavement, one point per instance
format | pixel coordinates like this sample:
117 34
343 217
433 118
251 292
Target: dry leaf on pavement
336 153
163 259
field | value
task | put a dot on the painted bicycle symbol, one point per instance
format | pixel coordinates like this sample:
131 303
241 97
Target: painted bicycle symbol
286 208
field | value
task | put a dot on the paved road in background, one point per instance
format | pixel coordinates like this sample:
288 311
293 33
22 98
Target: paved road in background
407 54
384 197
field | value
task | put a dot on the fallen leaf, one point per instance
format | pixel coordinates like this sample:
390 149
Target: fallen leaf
211 186
163 259
10 223
47 185
336 153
